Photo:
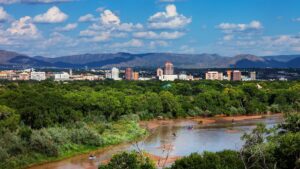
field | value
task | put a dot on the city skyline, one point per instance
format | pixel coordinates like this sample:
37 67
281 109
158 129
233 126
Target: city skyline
63 27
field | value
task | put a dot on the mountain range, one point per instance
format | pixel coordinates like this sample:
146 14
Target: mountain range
148 60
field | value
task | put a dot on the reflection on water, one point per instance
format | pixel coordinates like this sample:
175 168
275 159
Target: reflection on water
184 141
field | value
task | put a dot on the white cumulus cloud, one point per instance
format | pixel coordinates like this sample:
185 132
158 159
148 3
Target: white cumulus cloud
4 16
53 15
169 19
23 27
108 17
241 27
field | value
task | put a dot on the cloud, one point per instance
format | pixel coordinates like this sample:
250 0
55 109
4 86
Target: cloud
135 43
108 18
68 27
296 19
87 18
161 35
159 43
4 16
33 1
169 19
53 15
107 27
23 27
241 27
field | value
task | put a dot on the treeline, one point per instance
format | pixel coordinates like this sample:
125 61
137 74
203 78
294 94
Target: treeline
49 103
275 148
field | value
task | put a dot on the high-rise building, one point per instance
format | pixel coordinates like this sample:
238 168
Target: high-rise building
229 77
115 73
128 74
214 75
169 68
39 76
135 75
236 75
253 75
159 72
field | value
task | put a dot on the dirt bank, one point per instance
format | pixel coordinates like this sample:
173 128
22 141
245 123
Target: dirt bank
153 124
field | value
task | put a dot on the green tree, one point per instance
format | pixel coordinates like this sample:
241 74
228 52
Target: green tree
8 119
128 161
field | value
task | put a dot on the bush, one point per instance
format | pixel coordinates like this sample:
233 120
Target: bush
129 161
3 154
42 142
60 135
86 136
221 160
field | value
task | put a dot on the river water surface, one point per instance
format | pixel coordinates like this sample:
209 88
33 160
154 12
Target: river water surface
173 140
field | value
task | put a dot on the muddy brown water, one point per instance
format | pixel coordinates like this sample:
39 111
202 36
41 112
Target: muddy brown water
183 141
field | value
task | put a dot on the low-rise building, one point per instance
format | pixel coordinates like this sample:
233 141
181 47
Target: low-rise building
39 76
214 75
61 76
23 76
169 77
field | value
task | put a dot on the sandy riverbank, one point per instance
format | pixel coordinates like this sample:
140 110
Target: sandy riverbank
153 124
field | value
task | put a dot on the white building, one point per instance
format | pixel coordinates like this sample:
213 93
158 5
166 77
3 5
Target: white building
182 76
115 73
213 75
39 76
169 77
62 76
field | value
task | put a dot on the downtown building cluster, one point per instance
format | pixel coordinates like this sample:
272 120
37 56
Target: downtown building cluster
165 73
231 75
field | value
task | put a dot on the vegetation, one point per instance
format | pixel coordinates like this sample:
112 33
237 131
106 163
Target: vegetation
41 121
131 160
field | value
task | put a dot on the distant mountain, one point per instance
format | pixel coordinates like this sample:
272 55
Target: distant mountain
282 58
295 63
149 60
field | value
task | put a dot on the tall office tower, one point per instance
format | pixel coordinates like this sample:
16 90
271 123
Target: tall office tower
229 77
159 72
236 75
115 73
169 68
128 74
253 75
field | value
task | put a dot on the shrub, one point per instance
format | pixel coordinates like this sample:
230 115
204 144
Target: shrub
86 136
129 161
221 160
42 142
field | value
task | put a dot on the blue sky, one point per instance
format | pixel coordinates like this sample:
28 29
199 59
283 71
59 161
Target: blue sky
227 27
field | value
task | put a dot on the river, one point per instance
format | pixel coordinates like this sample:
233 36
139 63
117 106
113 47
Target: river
173 140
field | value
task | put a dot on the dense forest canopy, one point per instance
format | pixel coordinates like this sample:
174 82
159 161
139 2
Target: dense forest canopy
49 103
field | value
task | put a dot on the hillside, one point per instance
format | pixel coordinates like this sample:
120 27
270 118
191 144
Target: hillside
149 60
